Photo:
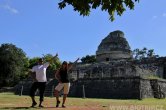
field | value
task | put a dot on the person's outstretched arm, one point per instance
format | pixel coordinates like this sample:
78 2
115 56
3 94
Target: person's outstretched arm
71 66
48 63
55 57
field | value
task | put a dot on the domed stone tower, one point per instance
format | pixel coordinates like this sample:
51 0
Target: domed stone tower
113 47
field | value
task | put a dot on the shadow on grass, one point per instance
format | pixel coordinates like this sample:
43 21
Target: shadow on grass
12 108
15 108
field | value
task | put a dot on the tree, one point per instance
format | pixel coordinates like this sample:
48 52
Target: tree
55 62
88 59
33 61
111 6
53 65
13 63
144 53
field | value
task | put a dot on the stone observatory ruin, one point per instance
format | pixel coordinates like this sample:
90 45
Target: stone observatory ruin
115 74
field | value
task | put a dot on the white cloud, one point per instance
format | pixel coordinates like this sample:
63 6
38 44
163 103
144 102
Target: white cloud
164 14
10 9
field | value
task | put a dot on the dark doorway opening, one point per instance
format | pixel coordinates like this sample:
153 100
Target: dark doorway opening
107 59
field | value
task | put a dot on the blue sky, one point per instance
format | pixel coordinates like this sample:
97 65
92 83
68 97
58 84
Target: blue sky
39 27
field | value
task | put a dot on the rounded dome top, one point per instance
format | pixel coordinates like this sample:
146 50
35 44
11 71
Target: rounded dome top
113 43
117 33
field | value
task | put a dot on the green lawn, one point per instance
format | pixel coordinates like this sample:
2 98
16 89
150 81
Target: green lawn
9 101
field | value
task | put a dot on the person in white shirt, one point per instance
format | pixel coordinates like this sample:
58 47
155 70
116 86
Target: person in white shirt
39 77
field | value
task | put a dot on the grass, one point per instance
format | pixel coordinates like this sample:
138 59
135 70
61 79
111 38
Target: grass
9 101
153 77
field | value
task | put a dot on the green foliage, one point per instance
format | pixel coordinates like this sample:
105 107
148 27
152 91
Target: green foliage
153 77
89 59
144 53
55 62
111 6
33 62
13 63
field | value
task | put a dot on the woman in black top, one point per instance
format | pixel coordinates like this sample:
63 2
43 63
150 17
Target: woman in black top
63 79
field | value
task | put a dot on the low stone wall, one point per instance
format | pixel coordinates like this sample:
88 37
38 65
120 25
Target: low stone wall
153 88
23 88
6 89
118 87
112 88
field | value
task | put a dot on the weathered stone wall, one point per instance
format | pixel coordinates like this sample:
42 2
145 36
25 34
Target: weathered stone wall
113 55
119 88
115 68
23 88
164 70
114 79
153 88
145 89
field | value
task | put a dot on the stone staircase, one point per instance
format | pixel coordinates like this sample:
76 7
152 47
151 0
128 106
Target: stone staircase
49 91
23 88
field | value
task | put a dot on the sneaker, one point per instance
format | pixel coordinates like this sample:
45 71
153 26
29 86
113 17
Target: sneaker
33 104
63 106
57 103
41 106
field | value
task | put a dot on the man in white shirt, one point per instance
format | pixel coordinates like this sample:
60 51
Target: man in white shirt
39 80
